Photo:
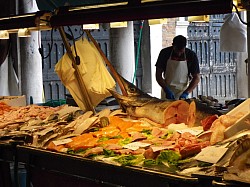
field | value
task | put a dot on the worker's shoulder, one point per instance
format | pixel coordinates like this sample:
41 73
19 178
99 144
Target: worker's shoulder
167 49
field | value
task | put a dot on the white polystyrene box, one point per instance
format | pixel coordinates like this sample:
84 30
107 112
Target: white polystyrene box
14 100
242 123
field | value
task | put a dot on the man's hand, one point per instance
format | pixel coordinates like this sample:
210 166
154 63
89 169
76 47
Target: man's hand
169 93
184 95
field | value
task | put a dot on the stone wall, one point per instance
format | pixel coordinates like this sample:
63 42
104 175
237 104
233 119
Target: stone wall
168 32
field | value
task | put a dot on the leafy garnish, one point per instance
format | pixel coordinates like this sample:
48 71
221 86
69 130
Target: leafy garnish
149 162
95 129
103 139
92 155
169 156
71 151
108 153
167 135
125 141
117 137
147 131
129 160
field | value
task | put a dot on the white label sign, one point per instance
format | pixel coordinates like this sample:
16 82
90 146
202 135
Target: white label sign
159 148
193 131
136 145
211 154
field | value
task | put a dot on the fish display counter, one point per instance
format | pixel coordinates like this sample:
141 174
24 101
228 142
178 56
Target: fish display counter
94 172
7 160
229 183
149 141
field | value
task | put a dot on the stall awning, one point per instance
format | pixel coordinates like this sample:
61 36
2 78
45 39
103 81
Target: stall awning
51 5
139 11
101 11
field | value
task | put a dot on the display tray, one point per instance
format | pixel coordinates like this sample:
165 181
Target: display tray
207 176
229 183
7 151
234 179
8 158
99 171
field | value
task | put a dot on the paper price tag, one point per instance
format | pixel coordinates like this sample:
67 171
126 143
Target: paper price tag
159 148
193 131
211 154
136 145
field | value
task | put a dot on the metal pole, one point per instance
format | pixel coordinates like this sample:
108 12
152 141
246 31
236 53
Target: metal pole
112 69
83 89
248 48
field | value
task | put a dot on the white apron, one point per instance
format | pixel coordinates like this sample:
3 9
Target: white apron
176 76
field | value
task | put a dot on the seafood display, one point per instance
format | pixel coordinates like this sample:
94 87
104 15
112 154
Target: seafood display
146 132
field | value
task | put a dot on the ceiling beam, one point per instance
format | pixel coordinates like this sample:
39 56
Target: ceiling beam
66 16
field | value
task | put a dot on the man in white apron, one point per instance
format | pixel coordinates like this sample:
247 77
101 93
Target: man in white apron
177 69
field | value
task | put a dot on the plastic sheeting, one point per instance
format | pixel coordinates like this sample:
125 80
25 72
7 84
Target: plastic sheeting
233 34
8 80
95 75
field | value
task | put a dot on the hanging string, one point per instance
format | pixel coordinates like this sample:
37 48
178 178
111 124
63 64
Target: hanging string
238 13
40 49
138 51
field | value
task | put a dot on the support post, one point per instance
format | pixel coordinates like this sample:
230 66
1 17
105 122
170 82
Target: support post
83 89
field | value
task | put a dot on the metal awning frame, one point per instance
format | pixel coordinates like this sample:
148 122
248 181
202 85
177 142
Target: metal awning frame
139 11
133 10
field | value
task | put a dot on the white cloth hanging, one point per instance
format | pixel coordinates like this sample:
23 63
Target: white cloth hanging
233 35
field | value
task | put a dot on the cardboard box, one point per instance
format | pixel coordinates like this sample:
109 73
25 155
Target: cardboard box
241 124
14 100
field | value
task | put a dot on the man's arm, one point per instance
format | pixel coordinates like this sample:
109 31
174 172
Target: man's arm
194 82
159 77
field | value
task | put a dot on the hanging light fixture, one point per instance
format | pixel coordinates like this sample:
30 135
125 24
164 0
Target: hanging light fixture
238 4
90 26
25 32
118 24
157 21
4 34
201 18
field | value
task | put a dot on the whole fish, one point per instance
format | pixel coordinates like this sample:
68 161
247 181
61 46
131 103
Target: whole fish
142 105
132 90
163 112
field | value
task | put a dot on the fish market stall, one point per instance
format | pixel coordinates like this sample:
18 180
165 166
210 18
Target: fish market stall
147 140
112 146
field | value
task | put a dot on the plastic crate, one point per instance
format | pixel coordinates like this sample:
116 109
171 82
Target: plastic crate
54 103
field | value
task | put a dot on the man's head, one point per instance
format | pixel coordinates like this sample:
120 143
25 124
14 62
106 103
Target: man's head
179 44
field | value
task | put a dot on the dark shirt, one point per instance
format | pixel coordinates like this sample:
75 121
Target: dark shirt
191 57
